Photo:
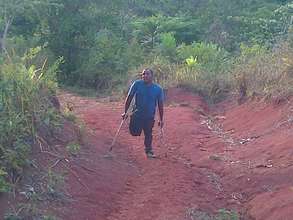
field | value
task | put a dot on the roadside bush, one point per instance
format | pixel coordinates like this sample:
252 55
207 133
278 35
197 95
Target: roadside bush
210 57
205 69
265 72
222 214
211 85
4 187
167 47
25 106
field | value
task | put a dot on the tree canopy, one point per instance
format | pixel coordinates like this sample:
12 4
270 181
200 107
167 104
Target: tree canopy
101 40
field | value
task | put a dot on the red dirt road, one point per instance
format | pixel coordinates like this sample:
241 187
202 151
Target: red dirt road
235 158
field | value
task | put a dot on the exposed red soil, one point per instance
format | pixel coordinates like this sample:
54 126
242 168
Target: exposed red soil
235 157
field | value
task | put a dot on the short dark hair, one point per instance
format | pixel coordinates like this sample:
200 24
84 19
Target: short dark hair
150 70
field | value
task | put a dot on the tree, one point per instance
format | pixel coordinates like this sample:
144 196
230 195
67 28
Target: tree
11 9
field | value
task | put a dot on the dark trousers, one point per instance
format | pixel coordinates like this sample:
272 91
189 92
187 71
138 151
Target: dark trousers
147 127
137 125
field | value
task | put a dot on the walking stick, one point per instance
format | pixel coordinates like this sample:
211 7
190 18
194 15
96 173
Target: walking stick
119 128
117 133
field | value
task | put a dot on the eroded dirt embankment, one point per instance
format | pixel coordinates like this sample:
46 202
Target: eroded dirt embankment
231 157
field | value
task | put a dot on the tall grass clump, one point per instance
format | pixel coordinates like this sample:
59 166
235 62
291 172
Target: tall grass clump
205 69
265 72
26 93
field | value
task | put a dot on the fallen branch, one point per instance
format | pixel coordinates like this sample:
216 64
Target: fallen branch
60 159
55 164
85 168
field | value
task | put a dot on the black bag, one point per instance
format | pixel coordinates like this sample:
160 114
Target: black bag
135 125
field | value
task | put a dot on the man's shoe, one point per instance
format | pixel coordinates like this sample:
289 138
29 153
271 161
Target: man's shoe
150 155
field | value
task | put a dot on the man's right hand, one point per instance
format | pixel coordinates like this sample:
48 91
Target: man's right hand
124 116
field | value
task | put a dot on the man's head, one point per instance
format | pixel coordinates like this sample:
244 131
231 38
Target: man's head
147 75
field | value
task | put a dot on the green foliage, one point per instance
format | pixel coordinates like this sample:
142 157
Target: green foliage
101 41
49 217
4 187
210 57
167 46
25 106
69 115
187 76
204 68
165 71
263 71
11 216
252 51
73 148
54 182
191 61
134 54
105 62
190 75
147 30
222 214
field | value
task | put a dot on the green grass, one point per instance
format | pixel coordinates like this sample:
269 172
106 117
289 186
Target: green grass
222 214
26 112
73 148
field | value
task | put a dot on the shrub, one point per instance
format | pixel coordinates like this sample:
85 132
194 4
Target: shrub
222 214
263 71
4 187
167 47
210 57
25 106
73 148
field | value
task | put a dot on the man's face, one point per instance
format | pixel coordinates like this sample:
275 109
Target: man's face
147 76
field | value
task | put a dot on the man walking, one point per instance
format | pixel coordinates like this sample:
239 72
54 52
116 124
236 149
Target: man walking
147 96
